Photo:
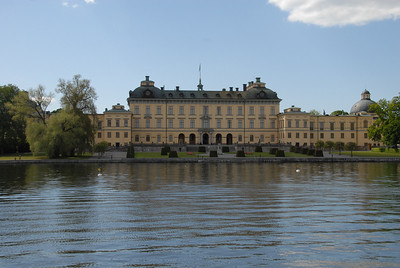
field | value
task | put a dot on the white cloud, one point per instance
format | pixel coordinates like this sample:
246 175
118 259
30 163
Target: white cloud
74 4
339 12
90 1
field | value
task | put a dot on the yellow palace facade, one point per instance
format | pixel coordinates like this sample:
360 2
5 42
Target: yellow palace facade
249 115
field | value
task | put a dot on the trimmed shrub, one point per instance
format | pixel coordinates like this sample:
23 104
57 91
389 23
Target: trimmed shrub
298 150
202 149
292 149
131 152
319 153
173 154
240 154
213 154
164 151
258 149
382 150
280 153
225 149
304 151
311 152
273 150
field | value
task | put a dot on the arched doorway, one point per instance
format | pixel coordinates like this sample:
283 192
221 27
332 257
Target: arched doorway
229 139
205 138
181 139
192 139
218 138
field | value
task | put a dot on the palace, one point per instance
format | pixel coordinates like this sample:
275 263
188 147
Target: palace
228 116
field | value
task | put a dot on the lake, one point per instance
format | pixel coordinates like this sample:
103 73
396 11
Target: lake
198 215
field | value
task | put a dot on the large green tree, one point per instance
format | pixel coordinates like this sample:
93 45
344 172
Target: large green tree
386 128
12 130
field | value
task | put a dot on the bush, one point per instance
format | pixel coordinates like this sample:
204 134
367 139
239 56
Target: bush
202 149
382 150
164 151
319 153
240 154
213 154
292 149
225 149
311 152
298 150
259 149
273 150
304 151
280 153
131 152
173 154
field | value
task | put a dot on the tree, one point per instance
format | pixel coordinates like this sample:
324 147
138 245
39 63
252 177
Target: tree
100 147
351 146
329 145
12 130
339 112
314 112
387 127
339 146
319 144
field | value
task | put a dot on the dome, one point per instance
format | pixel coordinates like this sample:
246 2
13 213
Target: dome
261 93
363 104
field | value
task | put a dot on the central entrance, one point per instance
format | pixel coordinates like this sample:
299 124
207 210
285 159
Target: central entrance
206 138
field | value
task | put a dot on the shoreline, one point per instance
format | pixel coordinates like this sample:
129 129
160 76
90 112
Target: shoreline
207 160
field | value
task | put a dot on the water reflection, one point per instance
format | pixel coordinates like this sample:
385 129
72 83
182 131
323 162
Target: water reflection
332 214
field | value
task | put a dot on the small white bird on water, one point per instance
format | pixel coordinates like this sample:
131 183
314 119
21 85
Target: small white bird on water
297 169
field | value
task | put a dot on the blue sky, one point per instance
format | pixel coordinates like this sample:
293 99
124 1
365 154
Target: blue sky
316 54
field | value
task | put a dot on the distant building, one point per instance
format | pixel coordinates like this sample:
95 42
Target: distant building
228 116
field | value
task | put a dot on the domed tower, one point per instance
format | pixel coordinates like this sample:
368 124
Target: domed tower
362 106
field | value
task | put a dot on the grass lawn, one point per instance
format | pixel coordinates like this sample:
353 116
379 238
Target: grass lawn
371 153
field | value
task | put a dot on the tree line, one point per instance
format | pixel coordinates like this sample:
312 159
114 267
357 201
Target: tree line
26 124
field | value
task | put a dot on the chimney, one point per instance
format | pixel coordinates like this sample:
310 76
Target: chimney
230 88
147 78
177 88
224 89
237 89
258 79
244 87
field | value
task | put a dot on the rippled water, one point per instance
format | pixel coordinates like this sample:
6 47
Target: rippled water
192 215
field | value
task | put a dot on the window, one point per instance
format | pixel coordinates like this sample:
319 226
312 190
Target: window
341 125
229 110
117 134
136 123
297 123
136 109
108 134
311 135
206 123
192 111
229 123
108 122
240 123
272 111
332 126
305 135
170 138
181 123
365 124
297 135
117 122
99 124
192 123
342 135
158 109
365 136
311 125
147 110
170 109
158 138
321 135
251 111
262 110
218 110
181 110
99 135
262 124
147 123
332 135
305 123
125 134
218 123
352 135
272 138
262 138
126 122
240 138
321 125
158 123
205 110
136 138
170 123
289 123
289 135
251 137
147 138
352 126
251 123
272 123
240 110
